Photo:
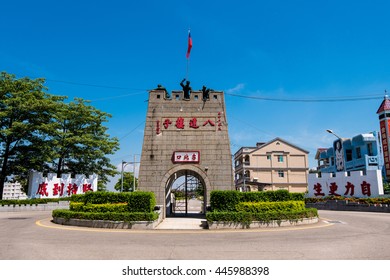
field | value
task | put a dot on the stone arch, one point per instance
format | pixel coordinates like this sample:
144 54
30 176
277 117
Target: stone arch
181 170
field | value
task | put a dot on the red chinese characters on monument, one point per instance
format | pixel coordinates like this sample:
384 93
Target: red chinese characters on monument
167 123
72 189
58 189
180 123
87 188
183 123
349 189
318 190
186 157
366 188
42 189
193 123
333 188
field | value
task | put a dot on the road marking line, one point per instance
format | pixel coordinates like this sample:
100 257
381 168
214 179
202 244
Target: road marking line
42 222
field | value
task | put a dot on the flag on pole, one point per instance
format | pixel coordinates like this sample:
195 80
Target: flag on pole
189 45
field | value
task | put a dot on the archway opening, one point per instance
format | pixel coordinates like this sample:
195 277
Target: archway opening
185 195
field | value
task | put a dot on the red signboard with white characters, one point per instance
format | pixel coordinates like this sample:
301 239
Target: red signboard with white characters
52 186
355 185
186 157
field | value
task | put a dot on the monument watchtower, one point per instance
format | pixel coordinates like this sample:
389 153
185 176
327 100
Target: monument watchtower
185 136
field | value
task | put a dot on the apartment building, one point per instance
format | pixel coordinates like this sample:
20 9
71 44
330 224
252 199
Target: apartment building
359 153
13 191
274 165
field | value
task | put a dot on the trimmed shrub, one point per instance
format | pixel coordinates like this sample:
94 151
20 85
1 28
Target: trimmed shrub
31 201
247 217
224 200
141 202
261 207
110 216
137 201
227 200
98 208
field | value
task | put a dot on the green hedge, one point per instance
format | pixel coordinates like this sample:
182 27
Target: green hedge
373 200
260 207
98 208
109 216
137 201
248 217
31 201
141 202
228 200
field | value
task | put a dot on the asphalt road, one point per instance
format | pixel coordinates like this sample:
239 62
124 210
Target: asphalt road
338 236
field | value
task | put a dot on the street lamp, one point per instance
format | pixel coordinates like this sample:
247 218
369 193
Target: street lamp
331 132
124 163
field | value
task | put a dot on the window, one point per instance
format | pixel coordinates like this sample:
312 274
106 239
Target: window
358 152
196 97
281 173
348 153
280 158
369 149
268 157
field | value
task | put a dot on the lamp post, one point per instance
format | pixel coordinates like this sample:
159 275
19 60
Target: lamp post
124 163
331 132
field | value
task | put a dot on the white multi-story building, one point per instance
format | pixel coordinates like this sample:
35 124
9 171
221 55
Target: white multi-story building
13 191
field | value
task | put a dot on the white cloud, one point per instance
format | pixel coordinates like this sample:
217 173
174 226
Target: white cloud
237 89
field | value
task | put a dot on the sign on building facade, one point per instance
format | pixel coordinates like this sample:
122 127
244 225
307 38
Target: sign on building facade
340 184
53 187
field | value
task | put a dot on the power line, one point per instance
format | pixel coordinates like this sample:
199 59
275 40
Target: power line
127 134
341 99
94 85
117 96
264 98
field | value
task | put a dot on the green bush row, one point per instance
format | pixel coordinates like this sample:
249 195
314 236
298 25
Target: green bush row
98 208
374 200
109 216
31 201
248 217
260 207
137 201
228 200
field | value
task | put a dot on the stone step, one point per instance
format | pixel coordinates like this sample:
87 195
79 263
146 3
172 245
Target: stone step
182 223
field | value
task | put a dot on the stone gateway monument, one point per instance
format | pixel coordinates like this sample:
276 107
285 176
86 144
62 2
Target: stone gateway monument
186 148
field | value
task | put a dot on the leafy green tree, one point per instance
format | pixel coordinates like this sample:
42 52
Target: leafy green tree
38 131
80 144
26 117
128 182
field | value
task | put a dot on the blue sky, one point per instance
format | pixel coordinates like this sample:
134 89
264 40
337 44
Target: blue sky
303 55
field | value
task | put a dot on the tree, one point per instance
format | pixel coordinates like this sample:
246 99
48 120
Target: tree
38 131
128 182
80 143
26 112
